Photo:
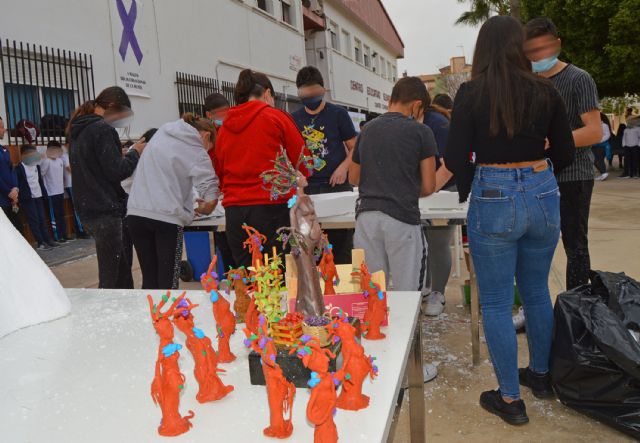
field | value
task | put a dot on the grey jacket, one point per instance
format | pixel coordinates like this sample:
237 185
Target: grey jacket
171 166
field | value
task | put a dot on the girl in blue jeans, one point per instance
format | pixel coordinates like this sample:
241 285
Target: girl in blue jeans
517 126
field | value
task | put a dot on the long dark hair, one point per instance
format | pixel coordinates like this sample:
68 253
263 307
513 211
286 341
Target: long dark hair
251 84
504 74
112 99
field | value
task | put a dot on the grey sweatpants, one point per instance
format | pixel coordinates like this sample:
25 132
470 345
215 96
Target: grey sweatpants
399 249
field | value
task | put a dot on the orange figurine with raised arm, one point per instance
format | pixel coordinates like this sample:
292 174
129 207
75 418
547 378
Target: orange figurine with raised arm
206 361
225 320
168 381
328 269
376 306
254 243
322 403
356 365
280 392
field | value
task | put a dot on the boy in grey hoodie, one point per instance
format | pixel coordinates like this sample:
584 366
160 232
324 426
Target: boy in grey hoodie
162 196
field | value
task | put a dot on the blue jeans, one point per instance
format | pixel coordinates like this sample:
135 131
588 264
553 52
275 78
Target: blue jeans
514 227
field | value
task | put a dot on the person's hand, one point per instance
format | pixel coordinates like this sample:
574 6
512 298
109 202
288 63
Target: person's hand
13 195
205 208
339 176
139 145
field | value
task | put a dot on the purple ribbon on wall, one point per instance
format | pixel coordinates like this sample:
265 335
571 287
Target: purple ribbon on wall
128 20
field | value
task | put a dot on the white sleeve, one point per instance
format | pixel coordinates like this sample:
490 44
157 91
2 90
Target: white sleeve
606 132
204 178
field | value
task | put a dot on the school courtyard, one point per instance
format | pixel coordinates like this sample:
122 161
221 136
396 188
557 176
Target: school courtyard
453 413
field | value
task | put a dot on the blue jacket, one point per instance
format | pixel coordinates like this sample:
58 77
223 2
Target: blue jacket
23 184
8 178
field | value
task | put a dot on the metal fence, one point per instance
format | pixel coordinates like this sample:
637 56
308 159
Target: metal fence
43 85
193 89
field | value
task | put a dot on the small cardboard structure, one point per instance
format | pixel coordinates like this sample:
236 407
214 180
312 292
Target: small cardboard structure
348 296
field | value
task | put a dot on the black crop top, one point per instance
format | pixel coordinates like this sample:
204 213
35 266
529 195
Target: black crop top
469 132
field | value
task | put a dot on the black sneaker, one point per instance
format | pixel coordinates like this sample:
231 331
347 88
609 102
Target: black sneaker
52 244
69 239
514 413
61 240
539 384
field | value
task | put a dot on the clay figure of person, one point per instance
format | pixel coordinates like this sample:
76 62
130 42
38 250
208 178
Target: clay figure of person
168 381
225 325
328 269
376 306
356 365
206 360
280 392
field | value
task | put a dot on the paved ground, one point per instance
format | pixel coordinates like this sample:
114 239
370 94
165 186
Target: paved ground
453 413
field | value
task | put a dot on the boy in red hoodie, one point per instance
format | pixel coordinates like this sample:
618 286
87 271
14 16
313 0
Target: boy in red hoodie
248 142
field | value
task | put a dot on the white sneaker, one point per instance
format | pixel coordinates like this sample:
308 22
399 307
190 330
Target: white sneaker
518 319
602 177
433 304
429 372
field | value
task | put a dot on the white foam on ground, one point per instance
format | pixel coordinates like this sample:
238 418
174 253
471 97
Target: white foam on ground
29 292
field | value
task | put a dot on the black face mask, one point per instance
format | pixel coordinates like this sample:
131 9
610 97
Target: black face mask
313 103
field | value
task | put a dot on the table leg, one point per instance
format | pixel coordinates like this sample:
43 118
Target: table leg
475 314
457 248
416 387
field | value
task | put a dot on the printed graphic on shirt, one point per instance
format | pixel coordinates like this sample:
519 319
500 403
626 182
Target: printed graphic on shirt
316 143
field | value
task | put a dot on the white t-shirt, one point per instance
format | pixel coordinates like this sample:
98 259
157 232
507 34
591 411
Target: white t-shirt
31 172
53 175
606 133
67 173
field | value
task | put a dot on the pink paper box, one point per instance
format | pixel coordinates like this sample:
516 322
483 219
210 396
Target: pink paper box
353 303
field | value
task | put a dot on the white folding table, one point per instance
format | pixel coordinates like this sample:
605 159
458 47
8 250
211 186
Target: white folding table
86 378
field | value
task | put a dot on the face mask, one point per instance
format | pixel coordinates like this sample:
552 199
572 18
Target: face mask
218 122
313 103
121 123
32 160
545 64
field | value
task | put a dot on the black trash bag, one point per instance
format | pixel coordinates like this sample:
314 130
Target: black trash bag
595 359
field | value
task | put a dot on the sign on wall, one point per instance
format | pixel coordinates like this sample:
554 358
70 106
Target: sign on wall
129 45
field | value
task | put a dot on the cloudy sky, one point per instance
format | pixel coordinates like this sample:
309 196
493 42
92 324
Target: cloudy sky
429 34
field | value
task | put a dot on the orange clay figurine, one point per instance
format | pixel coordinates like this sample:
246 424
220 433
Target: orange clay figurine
209 280
322 403
280 392
240 281
252 316
328 269
225 325
376 306
168 381
206 361
356 365
254 243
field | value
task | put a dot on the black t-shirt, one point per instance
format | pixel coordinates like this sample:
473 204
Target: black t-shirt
325 134
389 151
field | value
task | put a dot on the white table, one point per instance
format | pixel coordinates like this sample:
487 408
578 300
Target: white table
86 378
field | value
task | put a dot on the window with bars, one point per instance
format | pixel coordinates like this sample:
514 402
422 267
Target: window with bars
44 85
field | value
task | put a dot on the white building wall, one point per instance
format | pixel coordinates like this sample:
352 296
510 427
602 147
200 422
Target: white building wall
212 38
351 83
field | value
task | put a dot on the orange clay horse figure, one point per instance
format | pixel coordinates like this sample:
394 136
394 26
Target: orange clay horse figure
239 281
280 392
356 365
376 306
328 269
168 381
322 403
254 243
206 361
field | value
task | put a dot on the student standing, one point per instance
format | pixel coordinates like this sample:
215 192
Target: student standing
216 107
505 114
394 165
330 135
248 142
31 196
161 200
52 167
98 168
580 95
631 145
8 184
68 184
